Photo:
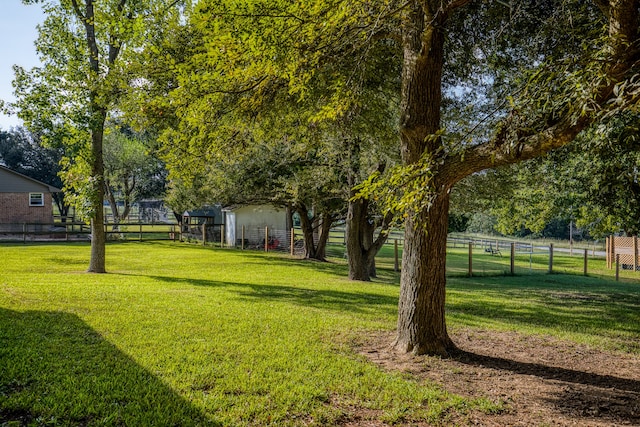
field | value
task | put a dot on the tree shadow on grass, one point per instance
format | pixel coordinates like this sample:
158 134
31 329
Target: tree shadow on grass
386 275
56 370
353 302
280 258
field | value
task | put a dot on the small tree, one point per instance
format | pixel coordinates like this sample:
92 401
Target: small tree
81 45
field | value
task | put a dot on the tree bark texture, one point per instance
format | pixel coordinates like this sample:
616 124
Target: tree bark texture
324 227
358 254
421 308
421 320
97 263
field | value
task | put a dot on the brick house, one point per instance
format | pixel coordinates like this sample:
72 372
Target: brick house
24 200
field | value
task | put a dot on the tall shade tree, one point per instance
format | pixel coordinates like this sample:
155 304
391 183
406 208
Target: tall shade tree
563 99
236 88
542 72
81 45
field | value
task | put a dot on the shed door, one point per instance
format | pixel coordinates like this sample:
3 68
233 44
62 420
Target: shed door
230 228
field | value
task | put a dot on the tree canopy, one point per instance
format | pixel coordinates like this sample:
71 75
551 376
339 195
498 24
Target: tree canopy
132 172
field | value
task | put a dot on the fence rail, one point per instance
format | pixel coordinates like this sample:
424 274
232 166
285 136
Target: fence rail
81 231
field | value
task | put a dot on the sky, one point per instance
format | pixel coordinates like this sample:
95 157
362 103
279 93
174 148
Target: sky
17 34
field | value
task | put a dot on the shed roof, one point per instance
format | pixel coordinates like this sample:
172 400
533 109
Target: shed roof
233 208
14 182
204 212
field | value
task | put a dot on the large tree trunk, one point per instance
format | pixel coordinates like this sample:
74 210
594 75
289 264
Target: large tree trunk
324 227
421 320
368 230
361 246
97 120
357 251
421 316
307 231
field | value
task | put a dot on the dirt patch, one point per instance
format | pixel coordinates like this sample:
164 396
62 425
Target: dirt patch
540 380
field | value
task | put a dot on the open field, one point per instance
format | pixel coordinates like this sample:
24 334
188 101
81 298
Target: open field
179 334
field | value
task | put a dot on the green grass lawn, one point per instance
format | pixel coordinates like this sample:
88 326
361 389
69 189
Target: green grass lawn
180 334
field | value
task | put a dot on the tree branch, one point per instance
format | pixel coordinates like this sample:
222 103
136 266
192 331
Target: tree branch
114 44
77 10
623 41
383 234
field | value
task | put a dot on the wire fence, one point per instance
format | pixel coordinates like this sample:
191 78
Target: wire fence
245 238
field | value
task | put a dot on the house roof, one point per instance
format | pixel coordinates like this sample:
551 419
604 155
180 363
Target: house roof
14 182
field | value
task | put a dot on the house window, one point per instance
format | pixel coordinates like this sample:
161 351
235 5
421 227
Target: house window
36 199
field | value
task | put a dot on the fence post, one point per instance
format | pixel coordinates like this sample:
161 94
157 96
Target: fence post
513 258
266 239
612 251
293 242
140 235
204 233
470 259
221 235
396 265
617 267
242 244
635 253
550 258
24 233
586 256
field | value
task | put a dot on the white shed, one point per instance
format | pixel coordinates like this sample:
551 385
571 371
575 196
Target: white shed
255 219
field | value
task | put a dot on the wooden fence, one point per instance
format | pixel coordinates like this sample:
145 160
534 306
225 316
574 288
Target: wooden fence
623 251
80 231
